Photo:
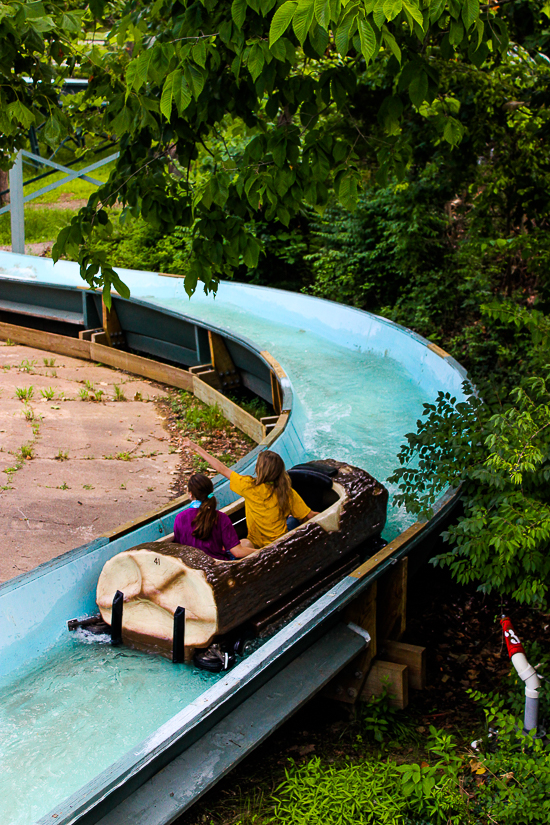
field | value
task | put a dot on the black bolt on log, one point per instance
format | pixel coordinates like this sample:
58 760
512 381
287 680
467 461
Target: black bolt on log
116 618
178 645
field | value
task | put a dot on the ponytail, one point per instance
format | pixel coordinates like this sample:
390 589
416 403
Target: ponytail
207 516
270 469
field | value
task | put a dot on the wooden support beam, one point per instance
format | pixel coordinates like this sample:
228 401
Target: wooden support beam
164 373
392 603
411 655
347 686
223 363
208 374
276 394
269 422
111 327
61 344
235 414
388 677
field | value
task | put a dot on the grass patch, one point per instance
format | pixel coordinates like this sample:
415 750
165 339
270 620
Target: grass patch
41 225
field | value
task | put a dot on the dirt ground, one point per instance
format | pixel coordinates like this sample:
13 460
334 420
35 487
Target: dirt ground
83 449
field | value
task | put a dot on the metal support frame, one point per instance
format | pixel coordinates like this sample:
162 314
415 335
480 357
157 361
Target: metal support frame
18 199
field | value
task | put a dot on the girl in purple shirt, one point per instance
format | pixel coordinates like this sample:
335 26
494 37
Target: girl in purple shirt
203 527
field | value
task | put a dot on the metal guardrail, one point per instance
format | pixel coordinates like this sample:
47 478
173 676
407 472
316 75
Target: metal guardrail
18 199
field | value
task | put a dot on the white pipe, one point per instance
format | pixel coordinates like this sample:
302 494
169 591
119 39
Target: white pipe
528 674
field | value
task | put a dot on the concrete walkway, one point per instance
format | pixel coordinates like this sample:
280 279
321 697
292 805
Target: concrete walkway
71 469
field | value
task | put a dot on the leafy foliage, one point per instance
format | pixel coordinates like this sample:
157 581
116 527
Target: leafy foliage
497 449
287 75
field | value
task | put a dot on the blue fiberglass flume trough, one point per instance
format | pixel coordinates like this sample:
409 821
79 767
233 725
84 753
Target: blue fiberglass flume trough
356 384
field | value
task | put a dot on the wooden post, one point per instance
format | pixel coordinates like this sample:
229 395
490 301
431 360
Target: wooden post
208 374
388 677
347 686
391 618
276 394
111 327
411 655
223 363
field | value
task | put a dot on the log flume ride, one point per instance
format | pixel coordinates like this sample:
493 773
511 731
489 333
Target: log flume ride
120 736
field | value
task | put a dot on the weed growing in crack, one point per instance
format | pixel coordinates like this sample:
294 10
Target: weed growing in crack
24 393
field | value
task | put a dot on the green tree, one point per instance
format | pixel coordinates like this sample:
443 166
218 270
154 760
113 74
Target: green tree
175 73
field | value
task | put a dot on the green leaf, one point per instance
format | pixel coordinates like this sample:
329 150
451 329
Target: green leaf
256 61
322 13
368 39
238 12
19 112
168 92
418 89
195 79
453 131
52 131
281 20
392 8
182 94
344 31
470 12
318 37
414 12
71 22
302 19
199 53
122 289
456 33
391 43
347 192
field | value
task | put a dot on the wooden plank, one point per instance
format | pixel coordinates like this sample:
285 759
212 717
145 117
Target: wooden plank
223 363
347 686
275 366
389 550
276 394
413 656
235 414
61 344
111 326
438 350
391 615
207 374
388 677
86 334
164 373
181 783
277 430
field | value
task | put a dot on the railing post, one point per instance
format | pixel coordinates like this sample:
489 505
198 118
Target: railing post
17 206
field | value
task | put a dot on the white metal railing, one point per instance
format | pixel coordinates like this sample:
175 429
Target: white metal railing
18 199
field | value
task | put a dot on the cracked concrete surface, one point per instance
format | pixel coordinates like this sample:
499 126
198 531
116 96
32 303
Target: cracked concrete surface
70 469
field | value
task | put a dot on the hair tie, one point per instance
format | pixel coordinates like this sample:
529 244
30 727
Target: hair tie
210 495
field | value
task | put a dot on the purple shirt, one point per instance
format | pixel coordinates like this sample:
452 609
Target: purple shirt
222 538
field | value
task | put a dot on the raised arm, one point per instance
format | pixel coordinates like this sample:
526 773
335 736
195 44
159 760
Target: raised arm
215 463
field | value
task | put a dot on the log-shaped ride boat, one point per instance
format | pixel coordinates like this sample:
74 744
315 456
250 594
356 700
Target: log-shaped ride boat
157 578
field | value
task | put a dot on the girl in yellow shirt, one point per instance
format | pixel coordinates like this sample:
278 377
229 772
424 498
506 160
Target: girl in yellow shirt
269 497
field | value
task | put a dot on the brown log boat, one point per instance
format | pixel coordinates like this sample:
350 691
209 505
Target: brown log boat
159 577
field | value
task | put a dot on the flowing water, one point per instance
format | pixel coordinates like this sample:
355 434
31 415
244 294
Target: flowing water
82 708
87 704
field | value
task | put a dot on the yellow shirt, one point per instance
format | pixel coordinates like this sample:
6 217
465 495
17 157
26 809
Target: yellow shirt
264 519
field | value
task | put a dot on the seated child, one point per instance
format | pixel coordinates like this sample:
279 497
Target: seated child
203 527
269 497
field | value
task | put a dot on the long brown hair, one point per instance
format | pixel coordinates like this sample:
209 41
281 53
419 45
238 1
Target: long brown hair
270 469
207 517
